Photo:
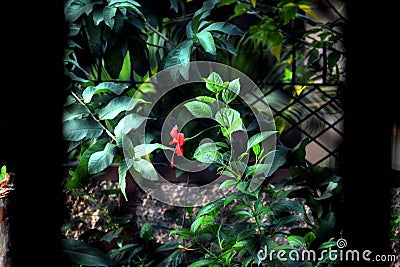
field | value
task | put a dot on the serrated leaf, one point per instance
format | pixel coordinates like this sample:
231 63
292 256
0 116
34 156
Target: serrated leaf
104 87
230 93
76 130
226 117
199 109
207 42
208 153
100 160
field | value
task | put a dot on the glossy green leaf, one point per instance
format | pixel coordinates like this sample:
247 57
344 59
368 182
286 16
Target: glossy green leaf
207 42
122 171
118 105
3 173
225 43
199 109
75 111
230 93
210 207
73 9
258 138
76 130
128 123
309 237
104 87
227 183
112 234
100 160
206 99
201 221
202 13
146 231
296 240
287 206
146 169
145 149
109 13
224 27
81 253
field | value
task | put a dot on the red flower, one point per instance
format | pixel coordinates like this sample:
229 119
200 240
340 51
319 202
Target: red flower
178 139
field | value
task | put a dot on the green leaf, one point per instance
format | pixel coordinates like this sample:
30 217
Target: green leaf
328 191
76 130
230 93
207 42
206 99
210 207
116 106
100 160
146 169
224 27
202 13
74 111
128 123
73 9
104 87
226 116
145 149
109 14
199 109
258 138
81 253
287 206
208 153
185 51
227 183
122 170
225 43
112 234
201 221
309 237
295 240
3 173
333 59
146 231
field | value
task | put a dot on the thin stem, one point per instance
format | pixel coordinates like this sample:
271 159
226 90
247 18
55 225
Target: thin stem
189 138
335 10
94 117
148 25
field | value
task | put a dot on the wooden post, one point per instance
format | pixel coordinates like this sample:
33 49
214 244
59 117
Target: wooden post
5 189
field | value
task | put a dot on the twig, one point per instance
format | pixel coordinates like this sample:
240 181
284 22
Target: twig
148 25
94 117
336 11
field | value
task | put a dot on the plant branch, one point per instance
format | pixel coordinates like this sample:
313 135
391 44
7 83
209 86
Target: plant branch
336 11
148 25
94 117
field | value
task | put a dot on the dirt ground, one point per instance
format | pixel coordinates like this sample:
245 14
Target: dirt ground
163 217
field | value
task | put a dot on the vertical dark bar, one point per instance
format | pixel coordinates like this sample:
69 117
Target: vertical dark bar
365 155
